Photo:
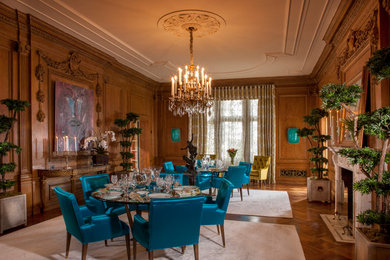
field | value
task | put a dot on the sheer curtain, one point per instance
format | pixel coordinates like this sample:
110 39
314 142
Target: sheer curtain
243 118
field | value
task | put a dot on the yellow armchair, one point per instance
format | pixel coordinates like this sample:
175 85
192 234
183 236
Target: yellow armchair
260 168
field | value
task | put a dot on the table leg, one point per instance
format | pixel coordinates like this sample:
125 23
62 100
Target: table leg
129 216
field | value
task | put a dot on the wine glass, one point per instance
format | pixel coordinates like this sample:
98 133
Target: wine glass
160 182
114 179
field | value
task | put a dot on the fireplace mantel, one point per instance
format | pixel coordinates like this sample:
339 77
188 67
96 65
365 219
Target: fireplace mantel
360 202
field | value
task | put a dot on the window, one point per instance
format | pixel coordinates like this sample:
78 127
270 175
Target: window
233 124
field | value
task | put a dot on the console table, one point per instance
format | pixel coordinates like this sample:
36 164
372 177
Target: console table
67 179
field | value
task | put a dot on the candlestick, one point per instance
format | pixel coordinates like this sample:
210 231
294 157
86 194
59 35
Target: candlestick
56 143
75 144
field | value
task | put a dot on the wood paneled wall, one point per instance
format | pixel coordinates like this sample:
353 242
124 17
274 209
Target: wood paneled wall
349 44
295 96
124 90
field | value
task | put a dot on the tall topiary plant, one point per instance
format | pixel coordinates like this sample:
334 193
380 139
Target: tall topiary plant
6 124
317 141
128 131
373 164
379 64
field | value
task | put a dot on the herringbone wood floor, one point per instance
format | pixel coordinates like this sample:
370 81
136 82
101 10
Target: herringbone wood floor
317 241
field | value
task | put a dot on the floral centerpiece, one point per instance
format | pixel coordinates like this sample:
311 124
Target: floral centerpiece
232 153
99 146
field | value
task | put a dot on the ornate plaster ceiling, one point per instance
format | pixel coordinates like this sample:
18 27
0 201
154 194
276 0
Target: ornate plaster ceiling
260 38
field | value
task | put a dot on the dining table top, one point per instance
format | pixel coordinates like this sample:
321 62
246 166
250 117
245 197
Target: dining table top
114 193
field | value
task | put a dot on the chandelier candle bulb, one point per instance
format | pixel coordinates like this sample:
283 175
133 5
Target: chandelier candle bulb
75 143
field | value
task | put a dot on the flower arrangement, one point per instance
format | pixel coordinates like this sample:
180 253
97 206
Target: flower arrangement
232 153
99 143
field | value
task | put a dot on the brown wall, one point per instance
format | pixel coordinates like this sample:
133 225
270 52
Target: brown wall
124 90
350 43
294 99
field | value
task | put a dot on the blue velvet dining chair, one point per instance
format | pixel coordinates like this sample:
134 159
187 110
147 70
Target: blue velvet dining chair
214 212
172 223
168 167
235 175
92 183
203 181
89 229
248 166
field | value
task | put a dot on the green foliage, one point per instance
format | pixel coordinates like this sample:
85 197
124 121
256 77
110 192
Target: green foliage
334 95
370 217
132 117
377 123
6 184
379 63
7 167
127 155
305 132
5 147
315 116
126 165
6 124
314 134
368 185
15 105
125 143
366 157
127 132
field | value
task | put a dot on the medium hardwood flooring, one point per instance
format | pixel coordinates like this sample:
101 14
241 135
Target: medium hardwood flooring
317 242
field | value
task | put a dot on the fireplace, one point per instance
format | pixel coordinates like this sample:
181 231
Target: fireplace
345 175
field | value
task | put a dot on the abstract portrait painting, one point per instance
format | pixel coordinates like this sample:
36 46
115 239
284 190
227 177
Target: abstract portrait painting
73 116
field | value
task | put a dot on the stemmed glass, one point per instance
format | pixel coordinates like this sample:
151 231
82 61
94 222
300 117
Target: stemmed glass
160 182
124 183
114 179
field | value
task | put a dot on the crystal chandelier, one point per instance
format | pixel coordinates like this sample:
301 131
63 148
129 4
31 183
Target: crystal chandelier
191 88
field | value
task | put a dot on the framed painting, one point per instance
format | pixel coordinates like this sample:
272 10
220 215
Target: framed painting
74 111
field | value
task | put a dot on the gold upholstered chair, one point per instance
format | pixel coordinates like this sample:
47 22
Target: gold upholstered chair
260 168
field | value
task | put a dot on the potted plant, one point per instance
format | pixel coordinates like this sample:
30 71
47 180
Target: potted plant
10 201
99 146
318 187
373 242
128 131
379 64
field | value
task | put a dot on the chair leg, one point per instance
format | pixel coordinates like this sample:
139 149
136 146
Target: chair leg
196 251
127 236
84 252
150 255
232 193
223 235
247 188
68 237
134 248
112 240
241 193
218 229
183 249
105 243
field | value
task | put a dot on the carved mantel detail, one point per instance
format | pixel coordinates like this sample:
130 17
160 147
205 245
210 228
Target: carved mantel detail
358 39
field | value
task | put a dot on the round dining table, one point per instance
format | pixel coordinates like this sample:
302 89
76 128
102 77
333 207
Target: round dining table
114 194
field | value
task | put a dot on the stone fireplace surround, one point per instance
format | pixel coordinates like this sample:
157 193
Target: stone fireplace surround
360 202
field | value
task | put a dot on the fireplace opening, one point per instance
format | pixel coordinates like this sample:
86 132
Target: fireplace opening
347 177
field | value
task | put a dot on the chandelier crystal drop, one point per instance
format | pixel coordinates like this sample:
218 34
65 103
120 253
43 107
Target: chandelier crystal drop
191 88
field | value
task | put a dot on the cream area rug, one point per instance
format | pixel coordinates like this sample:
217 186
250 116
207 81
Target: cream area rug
264 203
244 240
336 226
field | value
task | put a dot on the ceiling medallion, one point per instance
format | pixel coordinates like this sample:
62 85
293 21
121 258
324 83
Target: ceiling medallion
204 22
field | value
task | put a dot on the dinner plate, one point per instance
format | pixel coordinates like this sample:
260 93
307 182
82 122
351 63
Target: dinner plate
159 195
190 187
109 195
142 192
